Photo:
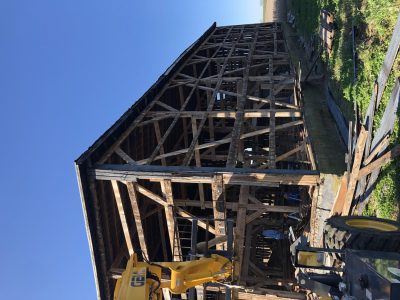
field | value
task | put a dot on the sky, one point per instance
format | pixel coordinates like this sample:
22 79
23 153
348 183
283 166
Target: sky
68 70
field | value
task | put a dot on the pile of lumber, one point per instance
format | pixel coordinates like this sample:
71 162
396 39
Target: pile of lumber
368 152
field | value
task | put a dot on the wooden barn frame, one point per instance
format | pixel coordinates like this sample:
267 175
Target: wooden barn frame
220 135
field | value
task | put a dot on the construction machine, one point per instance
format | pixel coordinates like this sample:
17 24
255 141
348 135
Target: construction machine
142 280
360 260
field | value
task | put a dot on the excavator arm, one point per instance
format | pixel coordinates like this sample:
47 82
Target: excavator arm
142 280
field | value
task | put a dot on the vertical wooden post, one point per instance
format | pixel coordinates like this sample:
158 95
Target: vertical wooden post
166 187
218 199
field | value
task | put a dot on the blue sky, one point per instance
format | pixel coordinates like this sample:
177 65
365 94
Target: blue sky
68 70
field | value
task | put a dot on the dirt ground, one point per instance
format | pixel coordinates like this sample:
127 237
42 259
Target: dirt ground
274 11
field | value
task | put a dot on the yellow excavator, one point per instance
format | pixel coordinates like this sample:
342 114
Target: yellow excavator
142 280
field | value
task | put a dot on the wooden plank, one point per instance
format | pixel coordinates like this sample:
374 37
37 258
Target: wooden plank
198 163
308 147
149 194
289 153
272 208
218 199
278 103
137 216
240 228
247 249
387 65
267 130
211 130
338 203
381 81
162 235
271 136
166 106
283 84
381 146
185 130
166 187
247 113
124 156
378 163
183 213
158 138
387 124
194 175
236 206
359 152
122 216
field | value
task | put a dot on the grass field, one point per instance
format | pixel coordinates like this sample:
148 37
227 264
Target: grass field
374 20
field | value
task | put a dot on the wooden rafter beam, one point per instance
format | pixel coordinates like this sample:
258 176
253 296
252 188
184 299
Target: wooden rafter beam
121 153
198 163
151 195
137 216
290 153
158 138
166 106
185 126
183 213
268 101
122 216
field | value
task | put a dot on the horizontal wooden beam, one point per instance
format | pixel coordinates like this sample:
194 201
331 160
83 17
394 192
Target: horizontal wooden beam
236 206
248 113
268 101
204 174
289 153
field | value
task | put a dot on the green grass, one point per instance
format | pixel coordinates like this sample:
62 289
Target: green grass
375 20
